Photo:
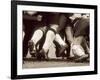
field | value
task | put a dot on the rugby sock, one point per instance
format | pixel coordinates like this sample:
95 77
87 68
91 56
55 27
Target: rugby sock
37 36
50 36
59 40
78 50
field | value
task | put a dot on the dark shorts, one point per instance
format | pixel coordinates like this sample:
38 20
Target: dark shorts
52 18
64 22
81 28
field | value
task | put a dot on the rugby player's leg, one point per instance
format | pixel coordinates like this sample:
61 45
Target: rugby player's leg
70 38
50 36
81 31
62 44
53 19
38 34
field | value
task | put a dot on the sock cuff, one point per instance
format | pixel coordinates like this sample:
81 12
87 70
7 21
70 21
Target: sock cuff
52 30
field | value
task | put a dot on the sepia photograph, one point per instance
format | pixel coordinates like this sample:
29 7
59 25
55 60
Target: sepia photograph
53 39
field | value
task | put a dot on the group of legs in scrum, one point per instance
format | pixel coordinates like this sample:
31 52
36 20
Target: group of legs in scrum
68 31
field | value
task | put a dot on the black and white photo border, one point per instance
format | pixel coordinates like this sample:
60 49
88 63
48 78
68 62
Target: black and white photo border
16 39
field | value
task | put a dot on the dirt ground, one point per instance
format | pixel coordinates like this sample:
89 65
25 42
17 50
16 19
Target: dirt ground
52 63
